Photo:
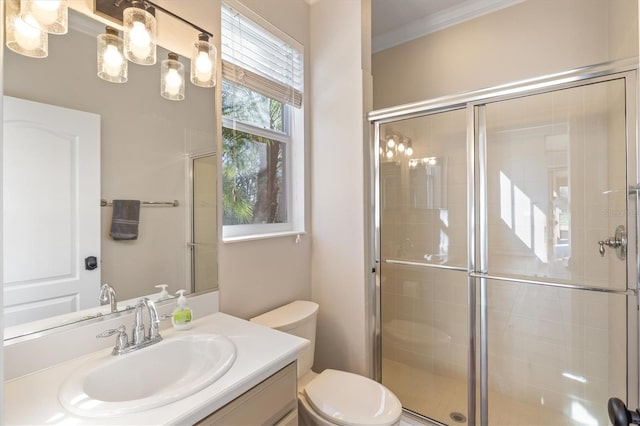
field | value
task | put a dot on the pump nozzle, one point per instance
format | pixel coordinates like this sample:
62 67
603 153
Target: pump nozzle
164 294
182 301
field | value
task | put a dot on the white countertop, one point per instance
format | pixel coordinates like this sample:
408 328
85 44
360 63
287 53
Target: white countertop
33 398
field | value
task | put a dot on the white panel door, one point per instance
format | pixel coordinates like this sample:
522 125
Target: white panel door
51 210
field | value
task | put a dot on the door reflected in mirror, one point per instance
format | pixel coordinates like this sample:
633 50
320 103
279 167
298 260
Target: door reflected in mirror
204 236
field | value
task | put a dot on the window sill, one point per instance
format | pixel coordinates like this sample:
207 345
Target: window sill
240 239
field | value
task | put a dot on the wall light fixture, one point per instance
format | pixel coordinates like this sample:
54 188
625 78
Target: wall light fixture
139 33
203 62
28 23
52 15
23 33
172 78
112 65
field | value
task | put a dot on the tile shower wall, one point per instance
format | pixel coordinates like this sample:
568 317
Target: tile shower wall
556 171
424 201
425 319
424 220
550 195
550 347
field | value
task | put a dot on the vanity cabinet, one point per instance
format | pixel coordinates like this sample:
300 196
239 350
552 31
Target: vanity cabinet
274 401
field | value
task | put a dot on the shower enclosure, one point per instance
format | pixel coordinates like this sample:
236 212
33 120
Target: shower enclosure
506 250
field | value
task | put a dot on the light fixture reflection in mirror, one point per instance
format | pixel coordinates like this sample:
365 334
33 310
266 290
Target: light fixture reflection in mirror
396 146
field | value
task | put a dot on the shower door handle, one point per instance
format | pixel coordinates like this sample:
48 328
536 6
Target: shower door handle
618 242
620 415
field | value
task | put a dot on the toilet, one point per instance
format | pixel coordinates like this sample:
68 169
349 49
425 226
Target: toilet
332 397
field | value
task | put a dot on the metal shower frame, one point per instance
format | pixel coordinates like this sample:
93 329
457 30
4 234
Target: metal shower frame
476 269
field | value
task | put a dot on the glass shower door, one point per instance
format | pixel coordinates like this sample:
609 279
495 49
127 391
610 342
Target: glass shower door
423 267
555 263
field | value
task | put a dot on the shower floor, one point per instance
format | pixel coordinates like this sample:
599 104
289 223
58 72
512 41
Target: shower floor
437 397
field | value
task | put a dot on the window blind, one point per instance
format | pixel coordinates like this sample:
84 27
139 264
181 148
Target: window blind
259 60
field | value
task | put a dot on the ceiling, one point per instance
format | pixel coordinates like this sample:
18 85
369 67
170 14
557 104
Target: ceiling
398 21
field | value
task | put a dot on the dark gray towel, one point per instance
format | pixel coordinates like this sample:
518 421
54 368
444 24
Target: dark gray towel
124 222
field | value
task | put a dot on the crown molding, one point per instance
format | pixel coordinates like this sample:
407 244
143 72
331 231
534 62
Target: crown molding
430 24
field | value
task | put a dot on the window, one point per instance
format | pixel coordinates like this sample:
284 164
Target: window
262 117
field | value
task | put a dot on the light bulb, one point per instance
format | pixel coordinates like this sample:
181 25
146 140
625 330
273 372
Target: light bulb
204 66
140 40
391 142
27 32
113 60
400 147
172 82
45 11
409 151
389 154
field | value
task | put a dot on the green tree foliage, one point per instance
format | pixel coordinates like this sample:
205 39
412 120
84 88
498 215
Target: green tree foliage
251 165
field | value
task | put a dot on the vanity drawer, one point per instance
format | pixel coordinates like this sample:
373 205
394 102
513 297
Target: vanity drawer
272 402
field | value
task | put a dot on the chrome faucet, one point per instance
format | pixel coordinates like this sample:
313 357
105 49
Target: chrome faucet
108 295
139 338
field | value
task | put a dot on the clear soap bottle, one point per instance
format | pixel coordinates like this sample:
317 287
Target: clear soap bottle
182 314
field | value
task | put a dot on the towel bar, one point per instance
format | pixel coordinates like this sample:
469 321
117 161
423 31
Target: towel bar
173 203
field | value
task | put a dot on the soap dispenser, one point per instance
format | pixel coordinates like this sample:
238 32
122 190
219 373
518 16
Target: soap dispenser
164 294
182 315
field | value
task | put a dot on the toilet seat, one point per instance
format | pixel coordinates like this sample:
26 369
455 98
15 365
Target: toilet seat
349 399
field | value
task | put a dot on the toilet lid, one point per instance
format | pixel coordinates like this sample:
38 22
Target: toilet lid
349 399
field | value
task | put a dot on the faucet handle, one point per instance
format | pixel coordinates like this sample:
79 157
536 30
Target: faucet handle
121 341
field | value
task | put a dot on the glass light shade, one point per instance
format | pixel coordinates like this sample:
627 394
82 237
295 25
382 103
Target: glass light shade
24 35
139 35
203 62
112 65
52 15
391 142
172 78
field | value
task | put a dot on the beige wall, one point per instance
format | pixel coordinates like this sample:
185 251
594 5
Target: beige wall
529 39
338 263
259 275
328 265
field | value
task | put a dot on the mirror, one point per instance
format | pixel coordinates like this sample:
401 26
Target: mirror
151 149
205 238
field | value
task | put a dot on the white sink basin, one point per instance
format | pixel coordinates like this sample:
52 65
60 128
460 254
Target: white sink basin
148 378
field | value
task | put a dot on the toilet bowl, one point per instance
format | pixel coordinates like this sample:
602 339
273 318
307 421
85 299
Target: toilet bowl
332 397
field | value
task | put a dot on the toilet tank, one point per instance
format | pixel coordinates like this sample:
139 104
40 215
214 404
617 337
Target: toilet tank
297 318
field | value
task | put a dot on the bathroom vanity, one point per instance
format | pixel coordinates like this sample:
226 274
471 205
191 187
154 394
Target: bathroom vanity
258 388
